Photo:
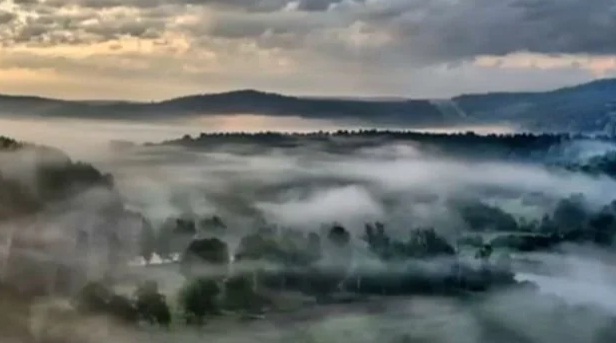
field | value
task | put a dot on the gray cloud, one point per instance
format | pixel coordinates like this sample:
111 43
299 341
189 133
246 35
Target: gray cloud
6 17
421 31
464 29
427 32
371 46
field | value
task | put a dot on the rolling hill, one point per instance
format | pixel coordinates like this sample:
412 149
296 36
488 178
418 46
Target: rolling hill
589 107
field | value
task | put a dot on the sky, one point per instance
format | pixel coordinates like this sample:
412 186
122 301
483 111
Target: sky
156 49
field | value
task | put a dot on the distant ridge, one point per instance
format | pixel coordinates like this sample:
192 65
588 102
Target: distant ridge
582 108
588 107
419 113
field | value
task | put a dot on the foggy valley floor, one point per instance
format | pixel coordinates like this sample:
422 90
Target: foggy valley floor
370 235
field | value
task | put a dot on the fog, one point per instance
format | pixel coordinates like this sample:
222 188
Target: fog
94 135
306 187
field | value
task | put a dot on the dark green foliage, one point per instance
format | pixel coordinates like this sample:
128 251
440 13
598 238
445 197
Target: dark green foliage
602 228
72 176
527 242
258 246
422 243
572 221
8 144
481 217
427 243
377 240
240 294
209 252
197 299
151 305
526 147
570 214
599 165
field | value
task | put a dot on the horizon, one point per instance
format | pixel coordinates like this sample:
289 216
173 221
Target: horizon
362 97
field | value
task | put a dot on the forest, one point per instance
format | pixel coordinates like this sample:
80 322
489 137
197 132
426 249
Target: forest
72 232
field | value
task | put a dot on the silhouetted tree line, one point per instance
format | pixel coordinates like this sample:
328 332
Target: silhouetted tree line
467 144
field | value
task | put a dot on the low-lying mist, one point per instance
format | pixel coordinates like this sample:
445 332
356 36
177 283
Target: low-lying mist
303 188
346 180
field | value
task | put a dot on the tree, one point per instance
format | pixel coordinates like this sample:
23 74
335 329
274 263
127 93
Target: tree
257 246
198 299
482 217
427 243
202 252
152 306
378 241
602 228
240 294
570 214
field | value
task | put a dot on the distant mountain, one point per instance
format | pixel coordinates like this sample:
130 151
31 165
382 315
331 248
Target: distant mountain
420 113
588 107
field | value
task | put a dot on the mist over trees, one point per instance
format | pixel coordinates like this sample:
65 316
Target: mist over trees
72 231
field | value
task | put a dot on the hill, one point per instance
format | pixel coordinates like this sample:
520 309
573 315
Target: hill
412 112
582 108
588 107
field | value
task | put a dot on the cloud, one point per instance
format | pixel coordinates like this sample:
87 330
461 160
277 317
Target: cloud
441 29
367 46
6 17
